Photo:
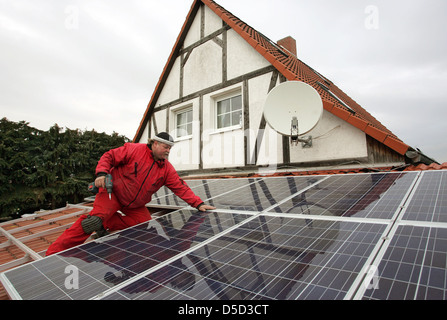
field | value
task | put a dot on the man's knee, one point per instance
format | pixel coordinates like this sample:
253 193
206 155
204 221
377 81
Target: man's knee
91 224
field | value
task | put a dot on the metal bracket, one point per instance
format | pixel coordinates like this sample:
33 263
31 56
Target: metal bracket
306 142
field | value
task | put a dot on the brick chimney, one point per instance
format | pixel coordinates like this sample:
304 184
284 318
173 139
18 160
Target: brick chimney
288 43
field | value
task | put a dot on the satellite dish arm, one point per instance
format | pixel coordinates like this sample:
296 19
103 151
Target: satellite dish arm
294 132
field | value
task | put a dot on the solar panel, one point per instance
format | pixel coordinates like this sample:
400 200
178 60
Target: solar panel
354 236
414 266
266 258
126 254
429 202
361 195
247 194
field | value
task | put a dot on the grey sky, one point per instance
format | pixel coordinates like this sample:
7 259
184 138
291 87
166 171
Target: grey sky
94 64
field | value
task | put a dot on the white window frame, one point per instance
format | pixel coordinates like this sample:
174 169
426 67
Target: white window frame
176 124
224 97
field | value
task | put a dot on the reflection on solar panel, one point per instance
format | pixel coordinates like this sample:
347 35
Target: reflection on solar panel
357 236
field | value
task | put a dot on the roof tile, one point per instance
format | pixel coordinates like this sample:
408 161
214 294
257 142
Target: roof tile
328 105
396 145
341 113
358 123
377 134
423 167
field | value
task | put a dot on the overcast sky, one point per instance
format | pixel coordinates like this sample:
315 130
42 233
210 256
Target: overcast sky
94 64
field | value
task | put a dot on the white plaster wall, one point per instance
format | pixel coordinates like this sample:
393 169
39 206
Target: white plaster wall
144 137
270 146
221 148
194 32
242 58
185 153
160 119
171 88
212 21
203 68
333 139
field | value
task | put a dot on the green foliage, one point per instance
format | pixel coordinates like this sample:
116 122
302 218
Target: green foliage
47 169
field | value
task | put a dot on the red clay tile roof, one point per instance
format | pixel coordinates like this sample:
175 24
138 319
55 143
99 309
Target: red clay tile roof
424 167
338 103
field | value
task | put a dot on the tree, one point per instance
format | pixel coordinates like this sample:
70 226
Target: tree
45 169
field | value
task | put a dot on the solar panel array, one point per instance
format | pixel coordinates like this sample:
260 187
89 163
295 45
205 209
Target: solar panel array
354 236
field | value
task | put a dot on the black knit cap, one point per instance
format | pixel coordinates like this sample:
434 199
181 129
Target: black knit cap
164 137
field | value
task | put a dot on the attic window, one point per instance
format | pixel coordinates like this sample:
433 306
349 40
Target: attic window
333 95
229 112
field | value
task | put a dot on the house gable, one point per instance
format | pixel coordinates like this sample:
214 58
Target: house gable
217 53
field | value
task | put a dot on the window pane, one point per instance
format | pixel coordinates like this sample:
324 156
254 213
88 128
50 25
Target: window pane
181 132
223 121
189 116
236 103
229 112
223 106
181 119
184 123
236 118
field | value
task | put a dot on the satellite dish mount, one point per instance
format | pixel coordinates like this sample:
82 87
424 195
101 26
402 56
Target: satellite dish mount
293 109
306 142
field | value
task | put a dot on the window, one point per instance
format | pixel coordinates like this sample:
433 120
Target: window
183 123
229 112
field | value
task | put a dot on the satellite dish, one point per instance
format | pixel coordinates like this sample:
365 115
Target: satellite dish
293 108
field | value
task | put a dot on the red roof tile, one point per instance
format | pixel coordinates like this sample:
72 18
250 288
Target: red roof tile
423 167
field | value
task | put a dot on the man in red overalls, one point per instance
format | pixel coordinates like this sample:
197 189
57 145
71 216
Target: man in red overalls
138 171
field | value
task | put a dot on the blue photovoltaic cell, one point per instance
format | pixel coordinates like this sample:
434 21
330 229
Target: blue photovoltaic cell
266 258
165 197
361 195
260 194
429 202
414 266
103 264
249 194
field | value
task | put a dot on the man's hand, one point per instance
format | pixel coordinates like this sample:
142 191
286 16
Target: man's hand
100 182
204 207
